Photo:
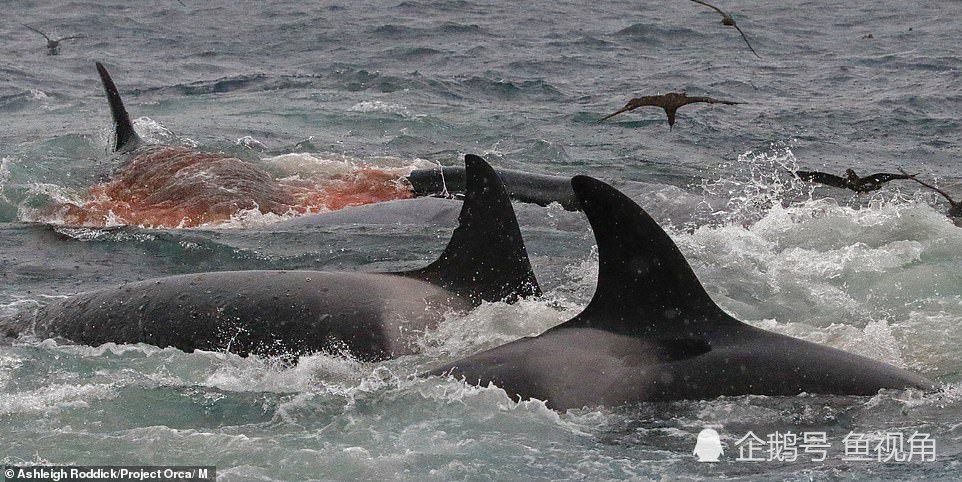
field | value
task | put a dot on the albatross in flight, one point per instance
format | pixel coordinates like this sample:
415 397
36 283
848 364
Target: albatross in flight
53 46
670 102
852 181
729 21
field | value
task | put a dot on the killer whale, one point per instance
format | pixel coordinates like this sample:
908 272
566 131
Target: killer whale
371 316
652 333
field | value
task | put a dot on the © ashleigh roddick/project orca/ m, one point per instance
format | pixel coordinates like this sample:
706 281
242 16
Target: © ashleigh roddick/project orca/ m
652 333
373 316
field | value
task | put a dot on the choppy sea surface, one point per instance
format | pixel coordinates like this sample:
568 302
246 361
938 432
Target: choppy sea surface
316 89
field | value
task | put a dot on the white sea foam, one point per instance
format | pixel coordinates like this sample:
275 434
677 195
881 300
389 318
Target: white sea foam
5 163
251 143
154 132
492 324
54 398
37 94
369 106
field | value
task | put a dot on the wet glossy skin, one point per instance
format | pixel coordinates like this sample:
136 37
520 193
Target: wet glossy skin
652 333
585 367
371 316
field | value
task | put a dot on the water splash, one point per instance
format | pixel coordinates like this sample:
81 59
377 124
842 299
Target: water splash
155 133
54 398
4 176
251 143
492 324
757 182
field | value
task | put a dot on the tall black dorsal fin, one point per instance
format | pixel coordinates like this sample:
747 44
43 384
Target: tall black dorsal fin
486 259
127 138
645 285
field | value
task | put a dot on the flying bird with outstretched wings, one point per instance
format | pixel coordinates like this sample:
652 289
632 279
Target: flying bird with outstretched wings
53 45
851 180
670 102
729 21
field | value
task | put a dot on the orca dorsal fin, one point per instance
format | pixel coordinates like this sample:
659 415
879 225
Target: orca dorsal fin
645 285
485 260
127 138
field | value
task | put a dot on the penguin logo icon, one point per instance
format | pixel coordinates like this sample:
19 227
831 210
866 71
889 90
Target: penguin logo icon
708 447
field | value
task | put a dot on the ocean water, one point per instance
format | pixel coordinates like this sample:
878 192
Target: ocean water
314 90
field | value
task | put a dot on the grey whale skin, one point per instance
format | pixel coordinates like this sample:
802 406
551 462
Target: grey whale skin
373 316
527 187
652 333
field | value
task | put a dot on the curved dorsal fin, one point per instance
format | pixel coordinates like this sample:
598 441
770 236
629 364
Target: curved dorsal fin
486 259
127 138
645 285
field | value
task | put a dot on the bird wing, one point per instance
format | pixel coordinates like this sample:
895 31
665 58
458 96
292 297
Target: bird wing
35 30
631 105
70 38
943 193
710 100
619 111
881 177
822 178
727 16
746 39
712 7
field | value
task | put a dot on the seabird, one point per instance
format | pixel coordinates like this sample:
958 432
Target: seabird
53 46
955 209
851 180
670 102
729 21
